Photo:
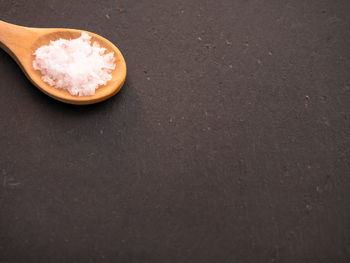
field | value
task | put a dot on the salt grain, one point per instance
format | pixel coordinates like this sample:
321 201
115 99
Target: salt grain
76 65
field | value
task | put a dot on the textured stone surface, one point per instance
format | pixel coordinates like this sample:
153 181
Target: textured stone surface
228 143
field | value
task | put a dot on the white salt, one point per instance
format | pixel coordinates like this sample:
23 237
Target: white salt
75 65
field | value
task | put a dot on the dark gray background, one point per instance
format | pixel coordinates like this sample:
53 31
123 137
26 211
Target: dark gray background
228 143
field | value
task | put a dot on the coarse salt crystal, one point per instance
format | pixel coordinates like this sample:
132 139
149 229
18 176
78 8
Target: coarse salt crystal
75 65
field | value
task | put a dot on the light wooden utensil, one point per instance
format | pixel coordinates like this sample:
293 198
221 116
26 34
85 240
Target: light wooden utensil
21 42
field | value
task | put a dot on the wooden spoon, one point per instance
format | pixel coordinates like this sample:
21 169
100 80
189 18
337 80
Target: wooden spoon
21 42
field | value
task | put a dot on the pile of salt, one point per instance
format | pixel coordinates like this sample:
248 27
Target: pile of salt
75 65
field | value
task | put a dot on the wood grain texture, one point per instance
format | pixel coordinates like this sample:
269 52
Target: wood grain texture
228 143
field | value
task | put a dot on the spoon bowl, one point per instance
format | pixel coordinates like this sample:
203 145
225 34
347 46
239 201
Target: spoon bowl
21 42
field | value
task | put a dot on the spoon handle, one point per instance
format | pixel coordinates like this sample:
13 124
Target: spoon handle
15 39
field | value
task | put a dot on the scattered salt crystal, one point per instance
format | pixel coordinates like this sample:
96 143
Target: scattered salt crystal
75 65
